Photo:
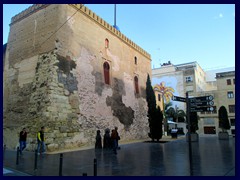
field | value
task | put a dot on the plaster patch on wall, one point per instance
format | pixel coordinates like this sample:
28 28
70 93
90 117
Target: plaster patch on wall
143 92
99 82
138 105
140 123
11 74
86 82
115 60
70 21
92 105
69 81
64 73
102 111
129 97
26 70
65 64
123 113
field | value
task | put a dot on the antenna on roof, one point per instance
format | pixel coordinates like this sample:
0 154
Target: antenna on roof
115 17
115 9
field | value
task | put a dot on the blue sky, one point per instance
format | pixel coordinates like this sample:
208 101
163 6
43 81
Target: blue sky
178 33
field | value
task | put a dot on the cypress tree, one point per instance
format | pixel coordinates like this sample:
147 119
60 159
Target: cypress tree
194 122
155 115
223 118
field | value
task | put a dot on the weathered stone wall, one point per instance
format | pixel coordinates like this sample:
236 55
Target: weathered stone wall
60 83
26 42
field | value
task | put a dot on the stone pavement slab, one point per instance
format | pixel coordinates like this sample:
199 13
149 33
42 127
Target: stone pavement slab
13 172
211 157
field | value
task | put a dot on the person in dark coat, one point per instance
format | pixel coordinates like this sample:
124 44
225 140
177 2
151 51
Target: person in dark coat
118 137
114 137
22 140
107 143
98 144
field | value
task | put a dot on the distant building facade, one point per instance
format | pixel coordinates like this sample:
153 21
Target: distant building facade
191 78
69 70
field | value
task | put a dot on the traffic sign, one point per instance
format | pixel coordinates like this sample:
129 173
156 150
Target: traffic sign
201 99
177 98
201 109
202 103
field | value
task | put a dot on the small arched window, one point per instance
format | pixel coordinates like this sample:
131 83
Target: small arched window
106 70
135 60
136 84
106 43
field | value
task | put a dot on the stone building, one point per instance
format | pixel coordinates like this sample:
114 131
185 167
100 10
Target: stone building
191 78
224 95
182 78
69 70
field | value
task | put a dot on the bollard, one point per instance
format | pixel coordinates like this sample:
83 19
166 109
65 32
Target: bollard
84 174
35 161
4 150
60 164
95 167
17 160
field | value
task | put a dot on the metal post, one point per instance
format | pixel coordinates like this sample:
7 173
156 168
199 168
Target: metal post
165 125
115 9
189 134
95 167
60 164
35 160
17 160
4 150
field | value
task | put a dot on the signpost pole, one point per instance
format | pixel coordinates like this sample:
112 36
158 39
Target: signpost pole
189 134
196 104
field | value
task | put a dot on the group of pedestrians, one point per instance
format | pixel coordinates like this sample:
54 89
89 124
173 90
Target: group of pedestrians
40 141
110 141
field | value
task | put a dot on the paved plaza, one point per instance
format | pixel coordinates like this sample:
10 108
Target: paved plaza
211 157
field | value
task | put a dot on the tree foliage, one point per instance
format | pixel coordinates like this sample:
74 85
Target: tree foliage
194 122
177 115
155 115
223 118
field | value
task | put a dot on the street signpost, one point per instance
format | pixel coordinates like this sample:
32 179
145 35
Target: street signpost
202 98
202 109
201 104
177 98
196 104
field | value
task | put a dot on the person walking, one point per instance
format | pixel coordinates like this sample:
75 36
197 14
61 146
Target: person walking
107 143
40 140
118 137
23 140
114 137
98 144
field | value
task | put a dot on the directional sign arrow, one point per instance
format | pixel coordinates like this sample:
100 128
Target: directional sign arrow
202 103
201 99
211 103
177 98
201 109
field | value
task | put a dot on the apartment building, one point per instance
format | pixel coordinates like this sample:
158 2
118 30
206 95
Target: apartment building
191 78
